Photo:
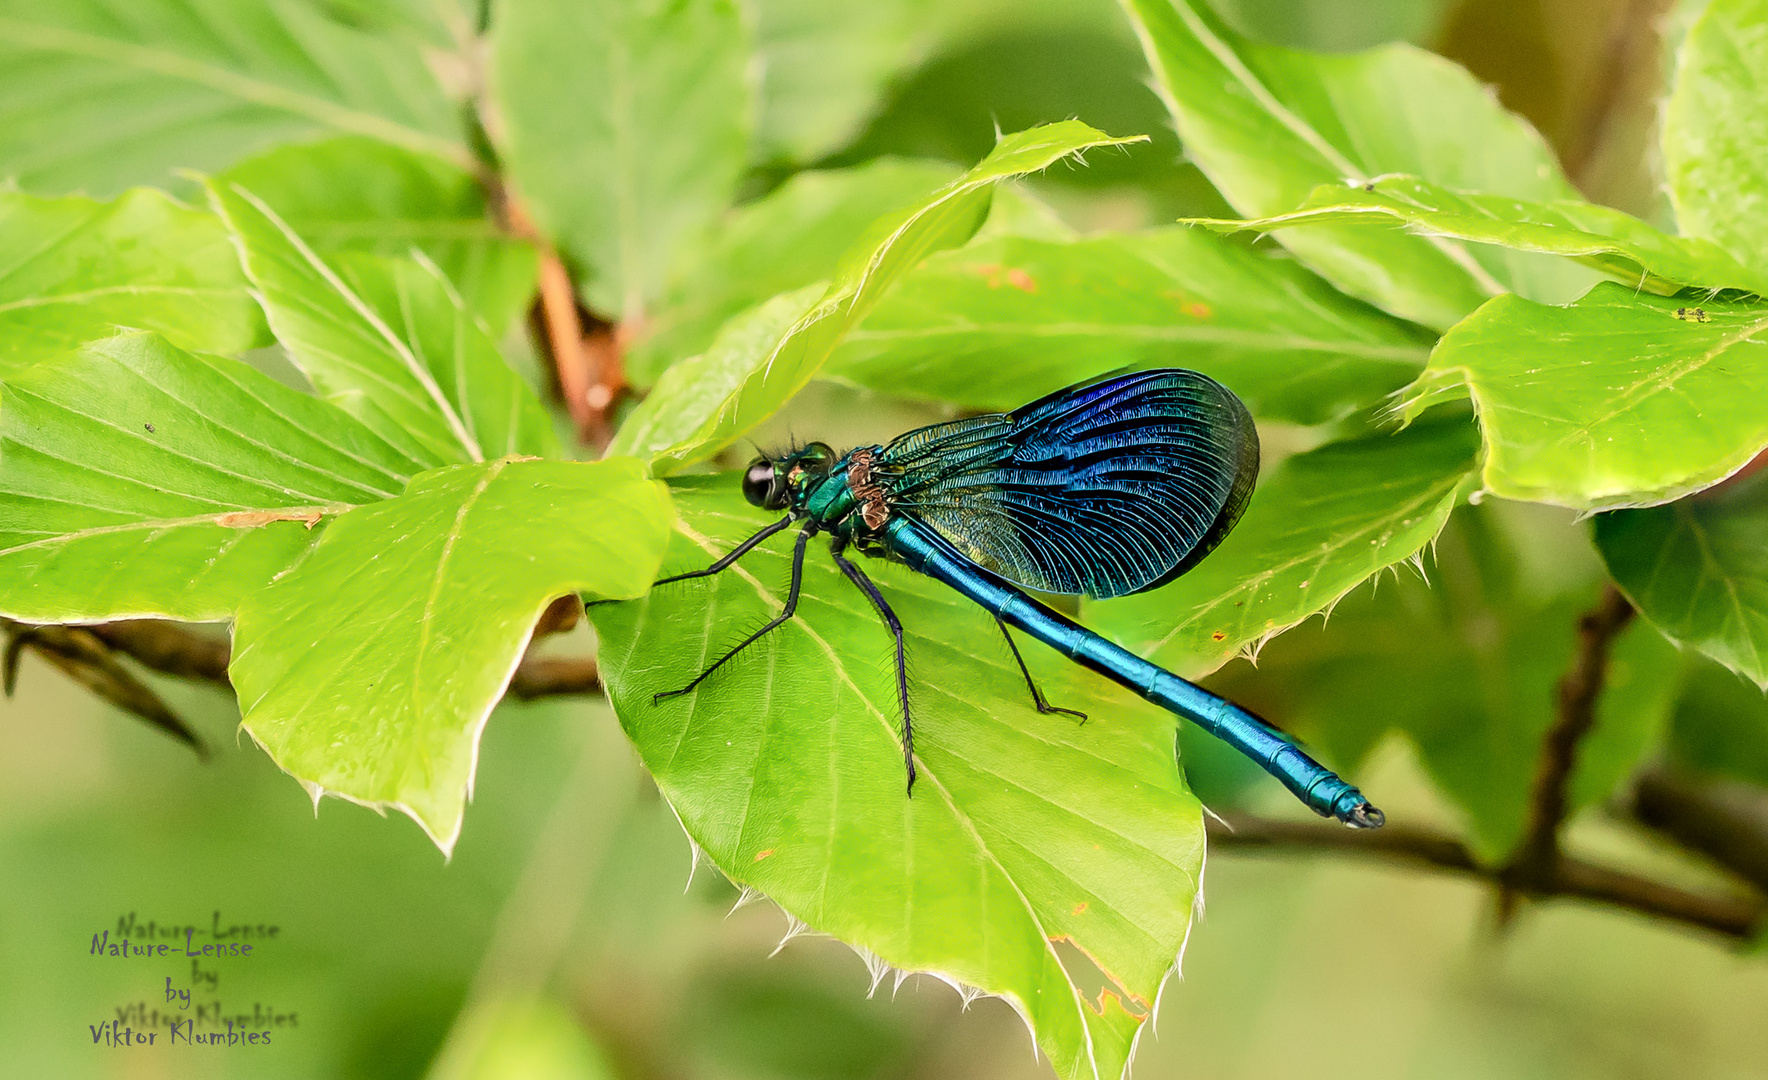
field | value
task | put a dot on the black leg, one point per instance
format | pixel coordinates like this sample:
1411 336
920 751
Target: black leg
736 553
722 564
785 613
1037 696
859 578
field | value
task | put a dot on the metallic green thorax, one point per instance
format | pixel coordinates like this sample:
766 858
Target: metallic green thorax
848 500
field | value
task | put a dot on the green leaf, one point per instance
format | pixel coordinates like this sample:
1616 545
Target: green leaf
1026 834
823 69
1619 400
1720 725
390 341
625 128
1715 134
893 246
1698 569
1335 25
356 194
416 301
369 669
1465 666
440 23
74 269
137 480
701 386
1268 125
999 323
1616 244
794 236
97 98
1320 525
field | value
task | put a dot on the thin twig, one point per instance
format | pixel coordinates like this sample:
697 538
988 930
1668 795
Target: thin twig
1578 692
585 351
1624 47
1726 821
606 345
1736 918
167 647
547 676
86 659
171 649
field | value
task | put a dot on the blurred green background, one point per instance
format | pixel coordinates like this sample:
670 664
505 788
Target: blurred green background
569 880
560 940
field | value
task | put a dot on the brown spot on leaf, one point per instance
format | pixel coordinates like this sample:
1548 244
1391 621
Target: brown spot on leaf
1021 280
760 855
1218 636
253 519
1079 908
1197 309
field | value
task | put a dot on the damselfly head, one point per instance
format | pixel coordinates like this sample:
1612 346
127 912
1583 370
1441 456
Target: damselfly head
771 483
762 487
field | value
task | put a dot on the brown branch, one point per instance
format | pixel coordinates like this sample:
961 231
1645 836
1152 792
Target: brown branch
546 676
586 352
1630 40
1726 821
564 342
85 658
167 648
172 649
1732 917
1538 852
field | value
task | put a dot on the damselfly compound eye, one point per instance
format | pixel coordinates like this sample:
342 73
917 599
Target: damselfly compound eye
762 488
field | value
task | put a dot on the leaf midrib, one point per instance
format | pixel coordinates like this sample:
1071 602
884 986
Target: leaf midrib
925 771
1411 355
401 349
165 62
1664 377
88 295
155 524
1304 131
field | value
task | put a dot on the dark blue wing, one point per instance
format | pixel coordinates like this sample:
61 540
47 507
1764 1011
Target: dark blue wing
1107 488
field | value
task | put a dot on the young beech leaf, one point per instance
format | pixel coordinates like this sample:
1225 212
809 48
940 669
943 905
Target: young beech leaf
1622 399
390 340
1001 322
369 669
101 97
1026 833
1616 244
1715 131
625 127
1698 569
78 270
354 193
140 480
1268 125
893 246
792 237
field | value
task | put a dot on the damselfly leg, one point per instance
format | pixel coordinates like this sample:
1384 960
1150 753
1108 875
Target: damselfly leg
1037 696
725 562
785 613
864 584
